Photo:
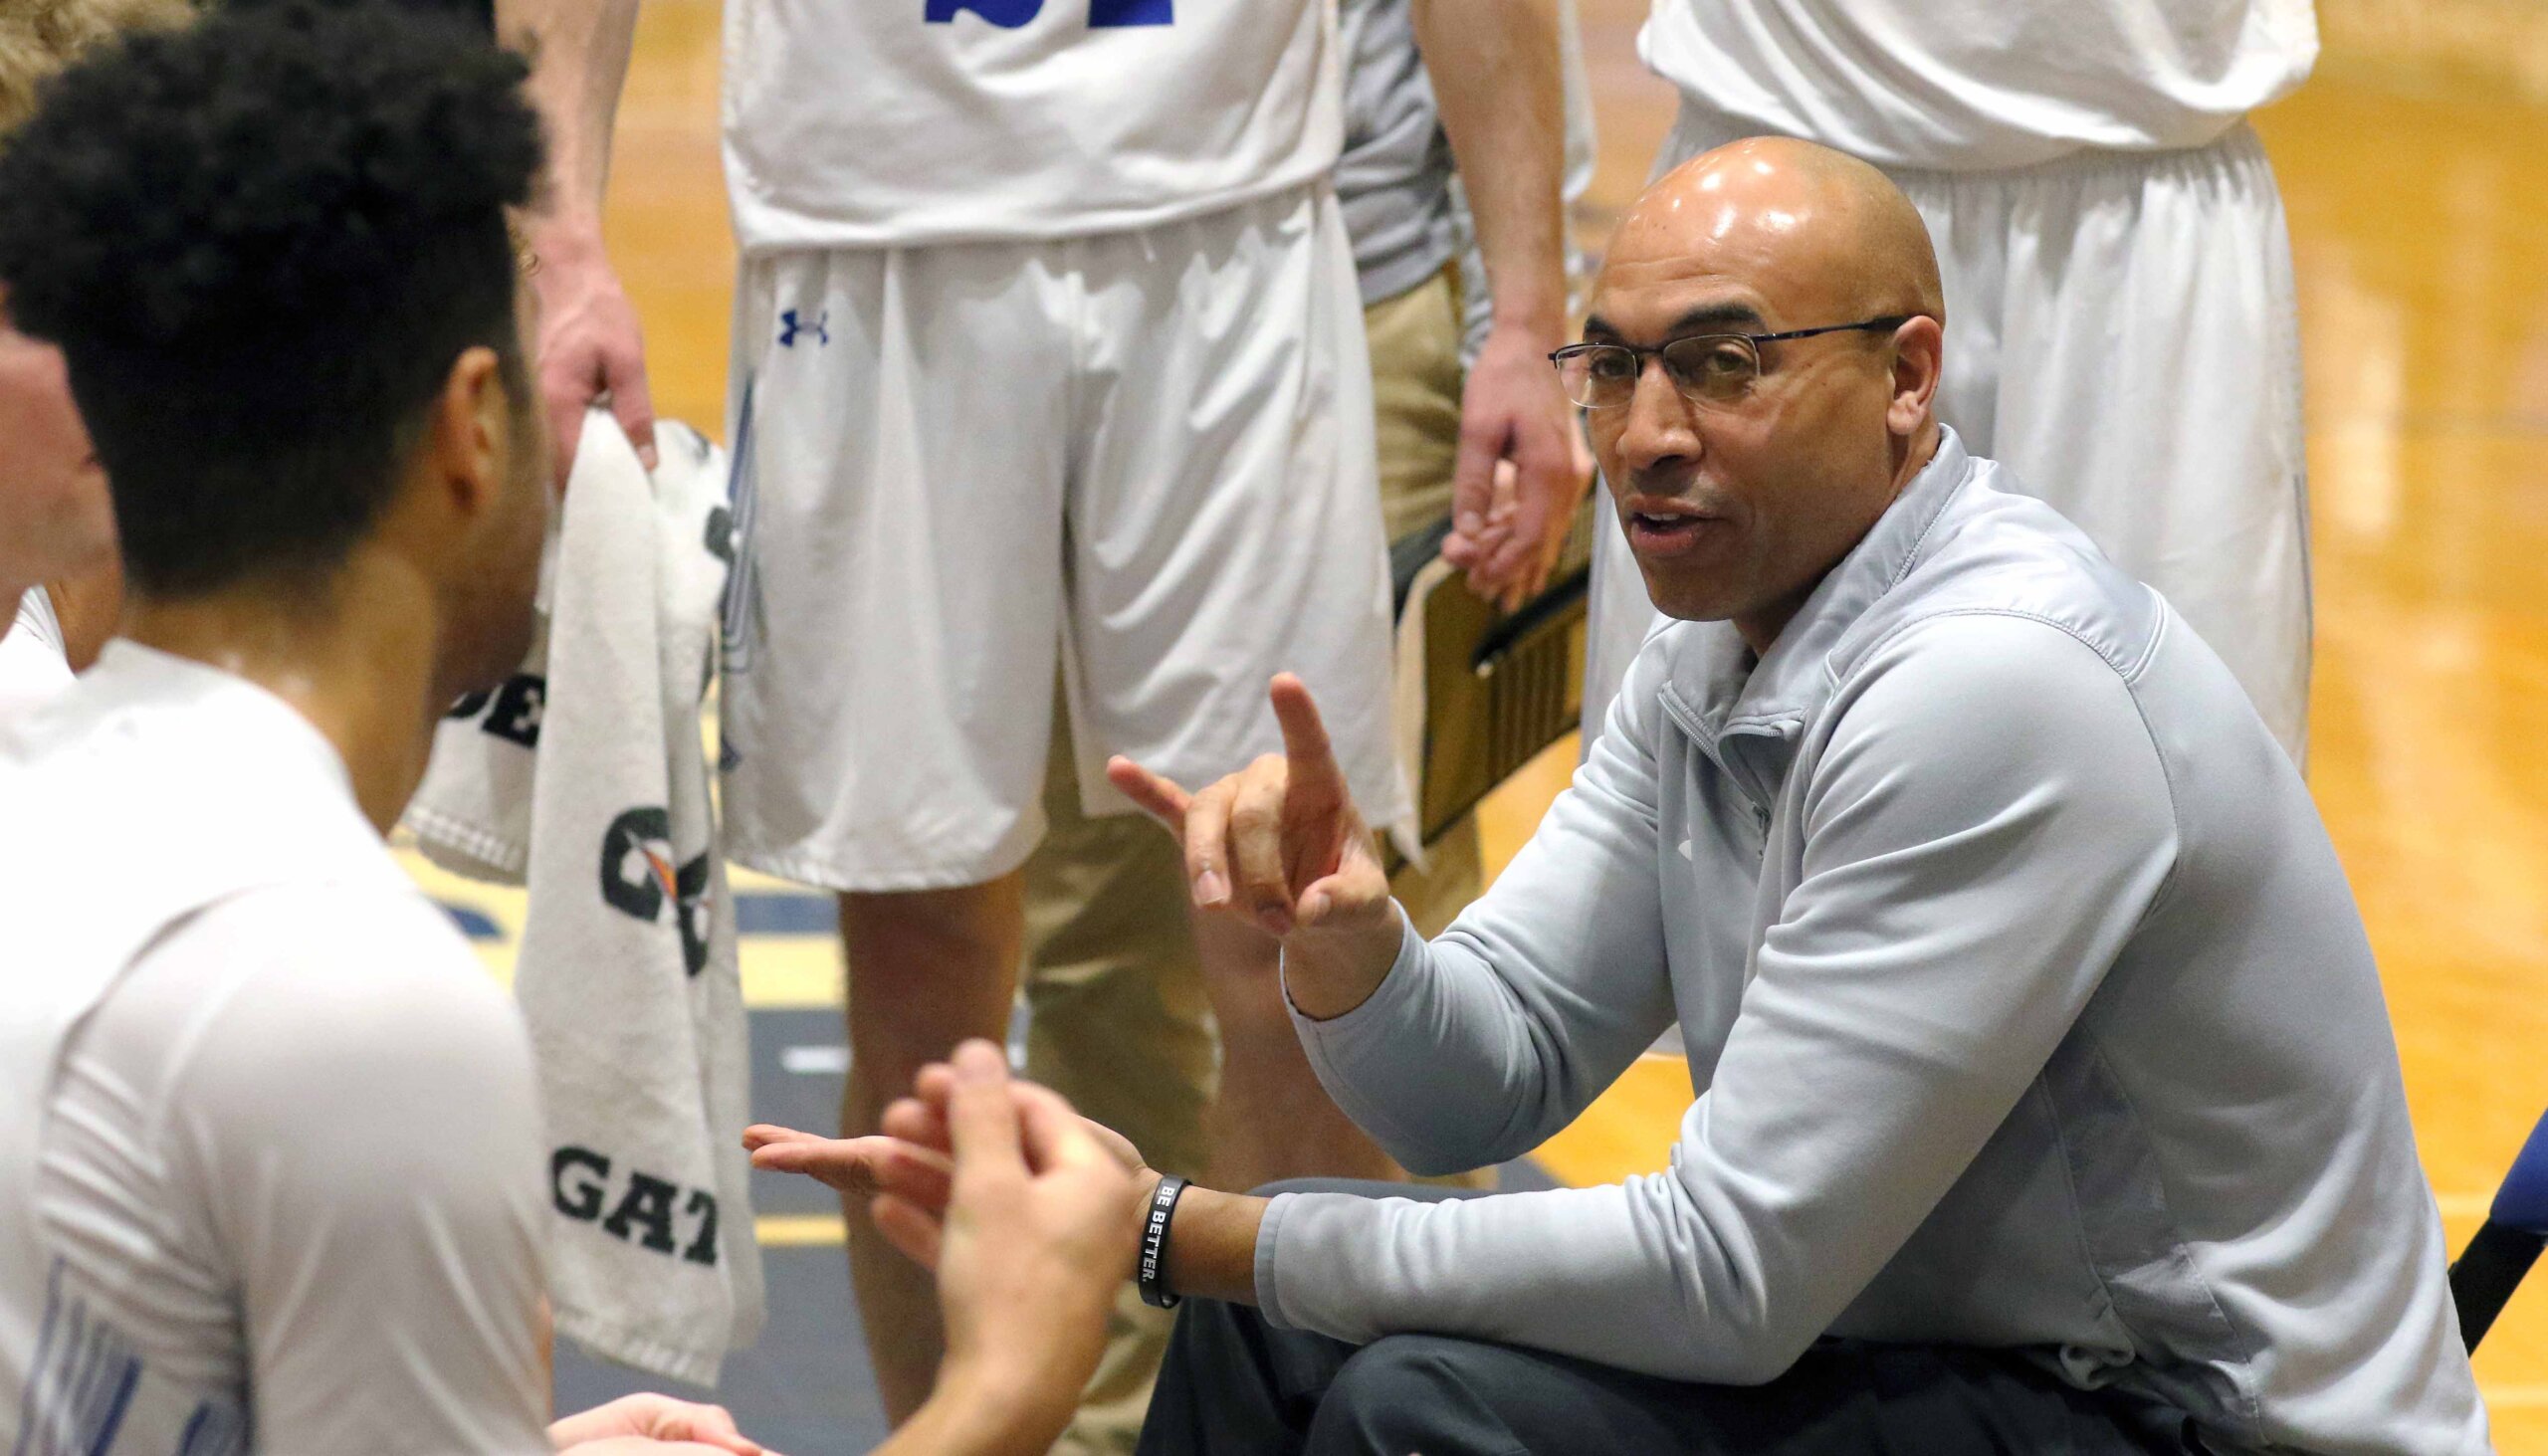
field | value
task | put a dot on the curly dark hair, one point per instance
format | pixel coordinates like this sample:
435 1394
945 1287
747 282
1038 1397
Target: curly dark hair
261 243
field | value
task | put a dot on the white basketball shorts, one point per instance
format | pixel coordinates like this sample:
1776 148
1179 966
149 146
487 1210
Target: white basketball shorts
1150 453
2122 332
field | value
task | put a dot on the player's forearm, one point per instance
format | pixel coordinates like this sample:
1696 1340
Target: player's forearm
970 1415
580 50
1495 69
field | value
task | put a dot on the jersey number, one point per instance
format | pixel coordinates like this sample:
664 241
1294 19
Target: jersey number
1010 14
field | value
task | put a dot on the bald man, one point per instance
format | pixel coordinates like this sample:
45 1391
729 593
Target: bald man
2044 1098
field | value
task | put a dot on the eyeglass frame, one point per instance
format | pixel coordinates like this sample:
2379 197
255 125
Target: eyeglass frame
1559 356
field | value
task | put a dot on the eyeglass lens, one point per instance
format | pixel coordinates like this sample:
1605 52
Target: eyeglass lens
1706 368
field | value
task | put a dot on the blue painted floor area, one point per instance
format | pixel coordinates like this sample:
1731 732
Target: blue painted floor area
805 1389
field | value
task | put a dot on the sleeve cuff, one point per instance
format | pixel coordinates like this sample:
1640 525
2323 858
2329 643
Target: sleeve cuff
1392 991
1269 1290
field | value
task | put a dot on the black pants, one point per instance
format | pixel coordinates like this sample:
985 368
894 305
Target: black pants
1235 1385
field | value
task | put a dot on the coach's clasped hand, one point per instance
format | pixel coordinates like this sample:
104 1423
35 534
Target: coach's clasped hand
1280 845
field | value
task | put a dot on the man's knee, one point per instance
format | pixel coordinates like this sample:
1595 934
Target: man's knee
1404 1392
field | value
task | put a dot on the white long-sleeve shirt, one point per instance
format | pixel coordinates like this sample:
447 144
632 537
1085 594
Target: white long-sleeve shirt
2024 1000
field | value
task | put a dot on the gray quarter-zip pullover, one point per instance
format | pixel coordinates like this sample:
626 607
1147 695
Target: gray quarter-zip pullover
2025 1006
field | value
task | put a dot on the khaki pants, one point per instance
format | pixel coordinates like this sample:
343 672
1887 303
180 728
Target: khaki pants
1118 1018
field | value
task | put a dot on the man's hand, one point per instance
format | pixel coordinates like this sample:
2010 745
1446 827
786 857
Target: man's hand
912 1158
1280 845
648 1422
858 1167
1037 1228
1522 469
590 348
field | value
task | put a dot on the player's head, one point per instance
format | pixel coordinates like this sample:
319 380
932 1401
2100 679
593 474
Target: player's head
272 250
55 518
1744 472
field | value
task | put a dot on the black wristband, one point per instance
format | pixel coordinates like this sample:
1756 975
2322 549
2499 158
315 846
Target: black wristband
1152 1273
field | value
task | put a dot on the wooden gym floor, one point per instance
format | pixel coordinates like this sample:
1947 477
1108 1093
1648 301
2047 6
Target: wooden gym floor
2412 166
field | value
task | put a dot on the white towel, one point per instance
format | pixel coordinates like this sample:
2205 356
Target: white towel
585 777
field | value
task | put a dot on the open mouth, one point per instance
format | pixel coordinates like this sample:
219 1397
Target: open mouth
1668 532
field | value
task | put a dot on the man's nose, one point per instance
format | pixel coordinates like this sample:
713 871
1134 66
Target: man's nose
1656 423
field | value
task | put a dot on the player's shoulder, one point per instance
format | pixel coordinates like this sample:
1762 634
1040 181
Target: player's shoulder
342 978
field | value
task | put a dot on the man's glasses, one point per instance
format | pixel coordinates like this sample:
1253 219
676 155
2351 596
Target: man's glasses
1708 368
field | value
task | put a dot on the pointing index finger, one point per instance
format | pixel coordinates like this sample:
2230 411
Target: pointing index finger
1305 742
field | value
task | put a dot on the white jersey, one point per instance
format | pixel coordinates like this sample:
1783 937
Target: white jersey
33 663
853 124
269 1136
1976 84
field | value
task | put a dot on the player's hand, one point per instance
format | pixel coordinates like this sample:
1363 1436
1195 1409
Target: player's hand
1039 1229
591 348
1521 469
1278 844
1043 1217
912 1158
857 1168
648 1422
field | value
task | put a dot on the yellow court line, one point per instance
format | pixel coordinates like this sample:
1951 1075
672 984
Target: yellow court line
800 1230
2505 1396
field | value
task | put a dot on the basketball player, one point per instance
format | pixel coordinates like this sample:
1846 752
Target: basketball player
2118 276
269 1143
1047 352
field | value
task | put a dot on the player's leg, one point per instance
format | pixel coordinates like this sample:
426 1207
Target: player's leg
891 653
1226 527
928 968
1273 1120
1413 340
1417 383
1117 1023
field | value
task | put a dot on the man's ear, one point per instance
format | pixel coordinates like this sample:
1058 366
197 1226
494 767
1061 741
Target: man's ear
465 438
1918 361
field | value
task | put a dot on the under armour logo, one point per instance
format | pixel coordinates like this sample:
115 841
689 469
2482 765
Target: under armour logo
792 323
1010 14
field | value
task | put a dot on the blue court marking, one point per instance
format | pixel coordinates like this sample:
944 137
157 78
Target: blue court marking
756 913
766 913
475 925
